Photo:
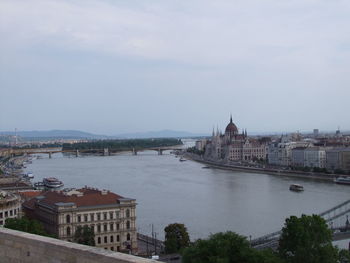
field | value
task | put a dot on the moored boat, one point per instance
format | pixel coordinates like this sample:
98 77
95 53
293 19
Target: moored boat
182 159
296 187
52 182
30 175
342 180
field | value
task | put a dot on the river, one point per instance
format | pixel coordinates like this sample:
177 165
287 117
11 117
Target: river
205 200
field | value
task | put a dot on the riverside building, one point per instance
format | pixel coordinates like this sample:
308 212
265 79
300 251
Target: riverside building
234 146
111 216
10 206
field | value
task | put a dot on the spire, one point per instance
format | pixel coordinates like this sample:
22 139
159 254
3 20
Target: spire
231 118
213 130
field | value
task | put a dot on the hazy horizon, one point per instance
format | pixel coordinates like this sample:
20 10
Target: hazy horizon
111 67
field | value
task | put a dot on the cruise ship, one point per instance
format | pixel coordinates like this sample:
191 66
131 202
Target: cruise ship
342 180
52 182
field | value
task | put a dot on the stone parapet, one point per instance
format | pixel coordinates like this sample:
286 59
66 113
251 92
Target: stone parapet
18 247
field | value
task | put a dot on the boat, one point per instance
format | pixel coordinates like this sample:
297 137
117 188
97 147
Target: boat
296 187
182 159
205 167
52 182
342 180
30 175
39 184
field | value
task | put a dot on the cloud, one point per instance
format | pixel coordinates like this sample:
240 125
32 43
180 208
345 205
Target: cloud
220 32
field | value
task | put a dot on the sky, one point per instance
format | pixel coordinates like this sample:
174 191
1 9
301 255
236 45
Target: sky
110 66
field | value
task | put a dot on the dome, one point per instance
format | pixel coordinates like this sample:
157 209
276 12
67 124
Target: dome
231 128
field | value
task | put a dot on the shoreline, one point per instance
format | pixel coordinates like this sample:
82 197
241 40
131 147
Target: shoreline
279 172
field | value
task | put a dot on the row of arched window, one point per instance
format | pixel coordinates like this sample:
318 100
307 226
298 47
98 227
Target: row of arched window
92 216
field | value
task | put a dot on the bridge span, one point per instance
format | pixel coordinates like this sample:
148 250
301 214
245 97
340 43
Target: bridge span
340 228
104 151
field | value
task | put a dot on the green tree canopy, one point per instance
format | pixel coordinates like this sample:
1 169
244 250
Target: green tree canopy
26 225
226 247
307 239
84 235
176 238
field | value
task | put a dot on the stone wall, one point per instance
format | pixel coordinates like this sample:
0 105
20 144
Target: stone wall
16 247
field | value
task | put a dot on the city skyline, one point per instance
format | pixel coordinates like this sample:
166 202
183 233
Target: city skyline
114 67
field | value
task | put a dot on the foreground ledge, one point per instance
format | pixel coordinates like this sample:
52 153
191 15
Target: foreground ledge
17 246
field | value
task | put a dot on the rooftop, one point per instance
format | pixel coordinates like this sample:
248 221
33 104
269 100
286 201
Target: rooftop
80 197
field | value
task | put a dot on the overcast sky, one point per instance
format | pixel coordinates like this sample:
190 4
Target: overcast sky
111 67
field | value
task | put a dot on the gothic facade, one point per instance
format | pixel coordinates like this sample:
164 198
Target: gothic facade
234 146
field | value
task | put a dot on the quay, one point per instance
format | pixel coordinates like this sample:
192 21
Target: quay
280 172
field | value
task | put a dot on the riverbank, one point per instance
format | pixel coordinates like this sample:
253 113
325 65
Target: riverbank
280 172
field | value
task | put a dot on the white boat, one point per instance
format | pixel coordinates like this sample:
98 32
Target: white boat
52 182
342 180
182 159
296 187
30 175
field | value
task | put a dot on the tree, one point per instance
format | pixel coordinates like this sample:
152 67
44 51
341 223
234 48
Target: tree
26 225
176 238
226 247
84 235
307 239
344 256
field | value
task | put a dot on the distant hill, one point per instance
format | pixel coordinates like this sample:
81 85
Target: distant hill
74 134
160 134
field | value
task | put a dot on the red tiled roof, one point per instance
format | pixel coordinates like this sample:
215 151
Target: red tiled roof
30 194
90 197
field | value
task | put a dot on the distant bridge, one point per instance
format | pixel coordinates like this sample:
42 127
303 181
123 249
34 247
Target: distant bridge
104 151
340 232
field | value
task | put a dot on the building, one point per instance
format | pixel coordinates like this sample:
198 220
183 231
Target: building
200 144
111 216
234 146
338 158
10 206
309 157
280 152
315 157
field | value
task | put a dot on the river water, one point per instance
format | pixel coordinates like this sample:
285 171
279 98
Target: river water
205 200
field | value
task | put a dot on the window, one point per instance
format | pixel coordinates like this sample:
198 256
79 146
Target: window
105 227
117 238
1 222
0 214
85 218
112 239
104 216
105 239
110 215
92 217
127 213
68 231
15 212
117 226
117 214
92 228
79 218
11 213
98 228
98 240
98 216
6 214
67 218
112 248
128 236
127 224
118 248
111 226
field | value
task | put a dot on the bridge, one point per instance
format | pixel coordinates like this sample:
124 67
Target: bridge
333 216
104 151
